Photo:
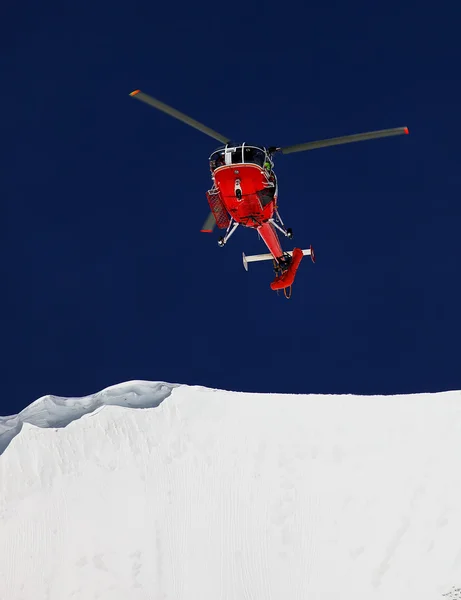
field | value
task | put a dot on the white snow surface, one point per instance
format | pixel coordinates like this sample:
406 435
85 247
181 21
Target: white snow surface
207 494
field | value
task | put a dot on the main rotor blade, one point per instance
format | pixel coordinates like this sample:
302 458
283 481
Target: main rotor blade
209 224
347 139
178 115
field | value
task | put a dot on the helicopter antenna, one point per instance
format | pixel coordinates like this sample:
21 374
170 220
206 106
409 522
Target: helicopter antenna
178 115
346 139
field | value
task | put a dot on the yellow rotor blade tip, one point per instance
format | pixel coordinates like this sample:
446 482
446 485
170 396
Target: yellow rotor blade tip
135 92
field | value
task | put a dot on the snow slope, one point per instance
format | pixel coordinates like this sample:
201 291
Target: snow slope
214 495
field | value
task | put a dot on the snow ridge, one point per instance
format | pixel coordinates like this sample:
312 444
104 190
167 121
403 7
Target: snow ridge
56 411
221 495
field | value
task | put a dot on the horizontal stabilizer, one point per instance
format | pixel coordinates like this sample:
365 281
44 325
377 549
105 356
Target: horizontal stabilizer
259 257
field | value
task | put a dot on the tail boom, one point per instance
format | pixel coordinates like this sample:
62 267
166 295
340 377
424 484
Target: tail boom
269 235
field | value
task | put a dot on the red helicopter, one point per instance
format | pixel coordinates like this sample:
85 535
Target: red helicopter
245 191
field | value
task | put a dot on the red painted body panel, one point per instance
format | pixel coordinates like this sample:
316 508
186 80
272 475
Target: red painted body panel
248 210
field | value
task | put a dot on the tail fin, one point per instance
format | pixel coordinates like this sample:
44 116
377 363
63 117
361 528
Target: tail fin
287 279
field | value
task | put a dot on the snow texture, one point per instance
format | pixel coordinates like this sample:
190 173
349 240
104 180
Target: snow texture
223 495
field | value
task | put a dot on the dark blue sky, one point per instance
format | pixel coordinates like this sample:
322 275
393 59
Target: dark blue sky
106 276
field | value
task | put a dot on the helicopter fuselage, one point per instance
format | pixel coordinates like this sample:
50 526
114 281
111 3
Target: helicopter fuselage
244 188
248 193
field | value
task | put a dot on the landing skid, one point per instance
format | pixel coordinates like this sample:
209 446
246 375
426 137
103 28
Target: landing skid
278 224
229 231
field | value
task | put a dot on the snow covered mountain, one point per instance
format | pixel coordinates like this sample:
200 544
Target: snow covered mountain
154 491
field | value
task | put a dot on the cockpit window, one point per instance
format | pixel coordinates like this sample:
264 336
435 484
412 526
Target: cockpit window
236 155
254 155
217 160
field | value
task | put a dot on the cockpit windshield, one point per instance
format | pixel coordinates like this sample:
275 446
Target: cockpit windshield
217 159
254 155
238 155
235 155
